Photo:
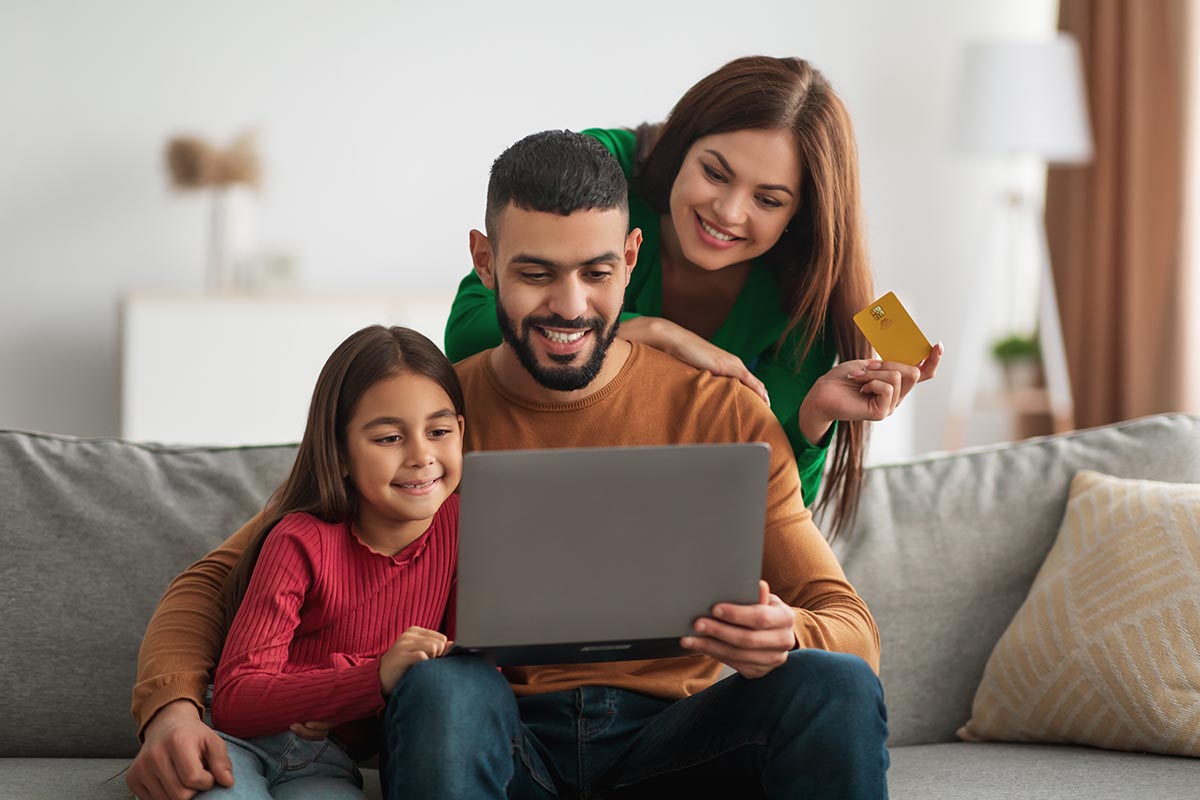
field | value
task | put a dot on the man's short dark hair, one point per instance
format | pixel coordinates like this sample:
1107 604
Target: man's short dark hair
558 172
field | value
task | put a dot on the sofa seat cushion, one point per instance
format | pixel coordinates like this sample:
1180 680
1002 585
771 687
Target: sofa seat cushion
969 771
93 778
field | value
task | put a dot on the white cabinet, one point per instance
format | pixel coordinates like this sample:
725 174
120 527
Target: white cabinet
240 369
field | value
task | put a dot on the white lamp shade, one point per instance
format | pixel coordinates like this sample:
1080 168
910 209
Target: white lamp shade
1025 97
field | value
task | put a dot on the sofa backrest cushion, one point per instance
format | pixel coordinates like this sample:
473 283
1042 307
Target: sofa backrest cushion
945 549
92 532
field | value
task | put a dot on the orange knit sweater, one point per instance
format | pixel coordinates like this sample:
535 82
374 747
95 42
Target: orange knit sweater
654 399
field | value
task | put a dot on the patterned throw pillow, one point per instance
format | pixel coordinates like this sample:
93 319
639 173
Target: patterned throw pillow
1105 650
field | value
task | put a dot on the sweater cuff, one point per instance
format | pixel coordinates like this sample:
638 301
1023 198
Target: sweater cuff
151 696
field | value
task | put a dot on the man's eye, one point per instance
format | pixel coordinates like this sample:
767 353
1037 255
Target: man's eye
535 276
600 275
712 173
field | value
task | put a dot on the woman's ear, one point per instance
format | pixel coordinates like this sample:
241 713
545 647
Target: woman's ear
481 257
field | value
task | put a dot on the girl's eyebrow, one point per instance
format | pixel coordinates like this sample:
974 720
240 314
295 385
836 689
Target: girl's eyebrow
774 186
378 421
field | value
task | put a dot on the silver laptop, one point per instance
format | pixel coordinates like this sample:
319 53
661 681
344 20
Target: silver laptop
604 554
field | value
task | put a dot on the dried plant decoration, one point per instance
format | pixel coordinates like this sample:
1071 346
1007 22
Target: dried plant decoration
194 163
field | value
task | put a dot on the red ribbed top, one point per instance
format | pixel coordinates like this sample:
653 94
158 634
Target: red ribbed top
320 610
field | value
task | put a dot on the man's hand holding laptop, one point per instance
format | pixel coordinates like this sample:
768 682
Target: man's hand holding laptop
752 639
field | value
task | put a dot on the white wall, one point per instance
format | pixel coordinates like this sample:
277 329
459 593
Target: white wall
379 121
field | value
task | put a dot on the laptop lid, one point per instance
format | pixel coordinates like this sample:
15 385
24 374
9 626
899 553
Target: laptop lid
605 553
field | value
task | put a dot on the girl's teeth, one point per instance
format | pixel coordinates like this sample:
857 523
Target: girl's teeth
418 485
724 237
563 338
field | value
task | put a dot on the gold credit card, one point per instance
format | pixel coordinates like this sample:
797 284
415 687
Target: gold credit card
892 332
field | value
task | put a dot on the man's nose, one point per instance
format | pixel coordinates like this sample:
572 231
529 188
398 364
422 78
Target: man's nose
568 298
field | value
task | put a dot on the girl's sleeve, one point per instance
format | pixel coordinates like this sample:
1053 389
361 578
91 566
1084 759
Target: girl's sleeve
472 327
787 387
256 694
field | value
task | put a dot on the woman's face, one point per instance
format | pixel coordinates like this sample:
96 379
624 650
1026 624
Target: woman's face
734 195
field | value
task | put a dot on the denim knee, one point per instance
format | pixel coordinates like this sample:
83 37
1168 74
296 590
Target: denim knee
450 689
834 680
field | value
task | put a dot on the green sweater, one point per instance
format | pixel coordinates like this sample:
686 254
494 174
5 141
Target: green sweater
750 332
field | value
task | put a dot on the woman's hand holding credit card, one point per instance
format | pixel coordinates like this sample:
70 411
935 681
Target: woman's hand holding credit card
871 389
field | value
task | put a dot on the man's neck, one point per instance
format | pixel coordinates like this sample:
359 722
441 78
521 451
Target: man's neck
514 377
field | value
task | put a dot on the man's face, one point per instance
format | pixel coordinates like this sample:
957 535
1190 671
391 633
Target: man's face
560 286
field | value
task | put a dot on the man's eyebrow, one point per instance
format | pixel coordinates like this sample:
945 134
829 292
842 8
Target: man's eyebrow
773 186
603 258
526 258
380 421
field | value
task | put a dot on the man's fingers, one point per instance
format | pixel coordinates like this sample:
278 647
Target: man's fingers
735 657
745 638
191 773
218 760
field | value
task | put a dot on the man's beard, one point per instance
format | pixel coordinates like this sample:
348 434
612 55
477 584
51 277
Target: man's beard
563 378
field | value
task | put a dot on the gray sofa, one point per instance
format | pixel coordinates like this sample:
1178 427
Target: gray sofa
944 550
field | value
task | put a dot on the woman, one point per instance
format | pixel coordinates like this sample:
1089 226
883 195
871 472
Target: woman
752 263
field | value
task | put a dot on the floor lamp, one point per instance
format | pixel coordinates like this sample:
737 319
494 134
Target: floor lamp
1019 100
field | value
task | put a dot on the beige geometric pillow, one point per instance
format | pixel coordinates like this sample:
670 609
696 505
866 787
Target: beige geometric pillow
1105 650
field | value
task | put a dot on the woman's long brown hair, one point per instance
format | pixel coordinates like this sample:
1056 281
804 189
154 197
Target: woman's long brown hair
316 484
821 258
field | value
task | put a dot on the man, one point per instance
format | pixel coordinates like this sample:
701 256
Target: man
804 716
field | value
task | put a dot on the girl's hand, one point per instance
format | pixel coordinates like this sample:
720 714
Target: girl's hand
690 348
312 731
862 390
413 646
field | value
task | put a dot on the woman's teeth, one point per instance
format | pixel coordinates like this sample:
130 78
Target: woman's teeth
562 338
724 237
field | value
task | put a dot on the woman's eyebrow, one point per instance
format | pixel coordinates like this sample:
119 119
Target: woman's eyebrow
773 186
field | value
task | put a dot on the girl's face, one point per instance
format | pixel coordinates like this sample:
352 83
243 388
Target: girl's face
403 451
734 195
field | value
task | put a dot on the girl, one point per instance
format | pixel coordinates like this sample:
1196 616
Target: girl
753 262
346 582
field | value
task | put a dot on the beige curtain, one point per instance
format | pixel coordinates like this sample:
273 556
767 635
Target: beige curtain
1115 227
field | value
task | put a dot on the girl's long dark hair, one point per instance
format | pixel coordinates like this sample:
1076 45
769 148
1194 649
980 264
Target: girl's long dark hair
316 484
821 259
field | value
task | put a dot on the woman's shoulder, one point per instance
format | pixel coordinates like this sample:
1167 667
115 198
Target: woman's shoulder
621 142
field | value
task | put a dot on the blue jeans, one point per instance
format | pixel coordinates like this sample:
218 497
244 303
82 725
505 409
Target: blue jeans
815 727
284 766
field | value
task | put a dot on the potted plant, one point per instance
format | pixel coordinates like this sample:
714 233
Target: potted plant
1020 358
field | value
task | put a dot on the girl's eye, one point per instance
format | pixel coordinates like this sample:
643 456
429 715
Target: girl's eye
440 433
389 439
712 173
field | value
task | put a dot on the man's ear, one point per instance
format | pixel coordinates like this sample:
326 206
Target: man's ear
481 257
633 243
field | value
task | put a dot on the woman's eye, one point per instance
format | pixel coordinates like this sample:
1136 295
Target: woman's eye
712 173
770 202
